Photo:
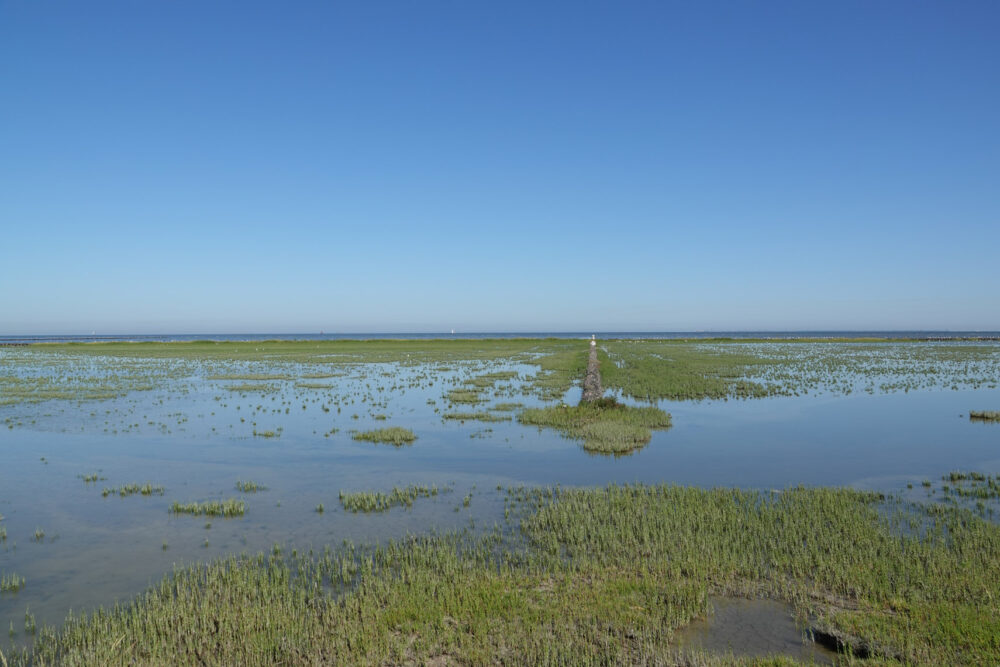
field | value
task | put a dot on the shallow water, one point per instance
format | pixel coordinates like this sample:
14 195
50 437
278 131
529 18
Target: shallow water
752 628
187 435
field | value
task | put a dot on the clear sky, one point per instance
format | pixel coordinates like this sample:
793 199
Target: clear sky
204 166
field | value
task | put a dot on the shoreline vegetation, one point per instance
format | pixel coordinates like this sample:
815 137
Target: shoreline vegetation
586 576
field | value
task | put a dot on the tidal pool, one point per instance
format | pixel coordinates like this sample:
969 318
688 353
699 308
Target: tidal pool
196 427
753 628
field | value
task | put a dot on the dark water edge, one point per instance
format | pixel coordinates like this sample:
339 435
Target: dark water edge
928 335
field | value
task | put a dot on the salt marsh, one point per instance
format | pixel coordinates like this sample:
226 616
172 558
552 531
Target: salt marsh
183 425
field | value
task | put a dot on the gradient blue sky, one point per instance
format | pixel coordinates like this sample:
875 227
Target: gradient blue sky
193 166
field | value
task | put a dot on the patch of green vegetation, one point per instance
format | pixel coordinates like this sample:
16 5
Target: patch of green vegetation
559 370
972 485
320 376
467 396
392 435
15 390
376 501
605 426
248 388
984 415
488 380
248 486
592 577
11 583
314 385
316 352
132 489
648 371
225 508
719 369
256 377
476 416
507 407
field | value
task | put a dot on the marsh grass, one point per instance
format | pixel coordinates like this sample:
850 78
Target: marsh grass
11 583
125 490
314 385
650 370
256 377
984 415
248 486
507 407
392 435
465 396
253 388
605 426
377 501
971 485
475 416
599 576
232 507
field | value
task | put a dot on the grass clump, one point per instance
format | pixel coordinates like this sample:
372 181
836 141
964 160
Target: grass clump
984 415
255 377
465 396
11 583
392 435
605 426
132 489
507 407
249 486
369 501
314 385
225 508
247 388
475 416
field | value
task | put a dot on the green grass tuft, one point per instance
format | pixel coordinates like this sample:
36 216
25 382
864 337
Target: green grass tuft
604 426
392 435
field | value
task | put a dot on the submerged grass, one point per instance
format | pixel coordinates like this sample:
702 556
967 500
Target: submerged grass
11 583
475 416
132 489
600 576
605 426
392 435
376 501
249 486
225 508
466 396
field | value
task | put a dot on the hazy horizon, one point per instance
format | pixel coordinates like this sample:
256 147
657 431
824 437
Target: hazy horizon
470 332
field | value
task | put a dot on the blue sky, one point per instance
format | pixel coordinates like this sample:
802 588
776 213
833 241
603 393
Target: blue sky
193 166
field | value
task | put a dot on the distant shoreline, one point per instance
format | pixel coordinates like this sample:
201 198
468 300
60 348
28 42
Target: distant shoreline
706 336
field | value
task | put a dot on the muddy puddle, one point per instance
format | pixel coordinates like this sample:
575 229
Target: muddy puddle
752 628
